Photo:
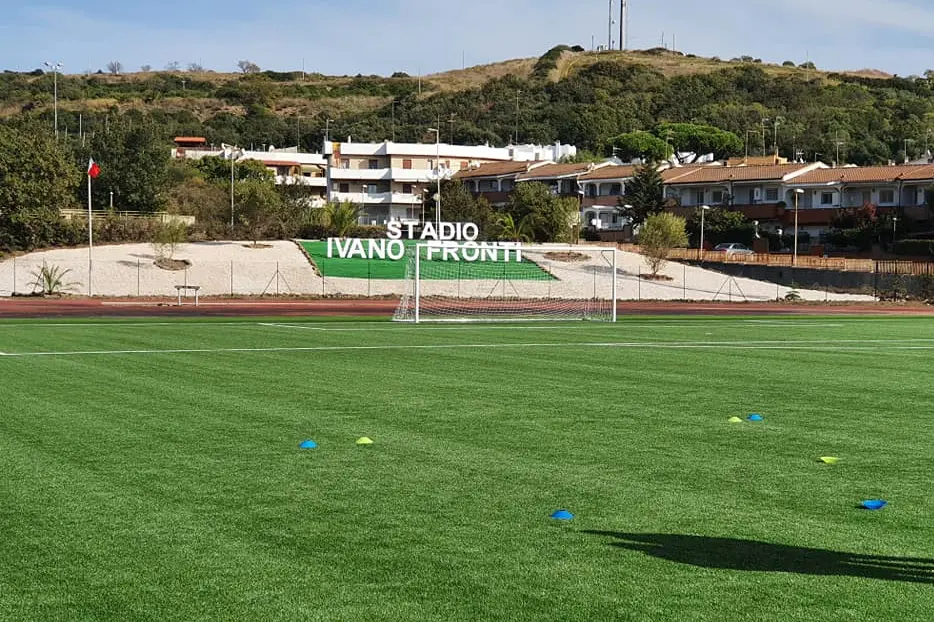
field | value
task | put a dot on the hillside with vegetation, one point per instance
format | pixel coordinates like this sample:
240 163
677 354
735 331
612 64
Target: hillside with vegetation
626 103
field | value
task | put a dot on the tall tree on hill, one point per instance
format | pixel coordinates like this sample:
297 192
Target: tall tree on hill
37 178
645 195
134 166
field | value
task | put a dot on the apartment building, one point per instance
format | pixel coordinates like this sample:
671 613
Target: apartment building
288 166
389 180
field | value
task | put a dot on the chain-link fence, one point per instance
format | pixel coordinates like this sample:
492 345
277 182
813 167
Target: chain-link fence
142 276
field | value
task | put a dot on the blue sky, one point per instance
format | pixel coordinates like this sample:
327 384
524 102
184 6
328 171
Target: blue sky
425 36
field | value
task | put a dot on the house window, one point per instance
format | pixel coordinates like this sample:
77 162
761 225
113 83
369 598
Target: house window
592 190
464 165
343 188
699 197
886 196
406 188
717 197
771 194
615 218
616 190
407 164
826 198
373 164
345 163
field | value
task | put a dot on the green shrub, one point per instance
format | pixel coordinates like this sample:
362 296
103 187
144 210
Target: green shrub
916 248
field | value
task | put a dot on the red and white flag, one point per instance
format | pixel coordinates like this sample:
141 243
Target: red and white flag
93 169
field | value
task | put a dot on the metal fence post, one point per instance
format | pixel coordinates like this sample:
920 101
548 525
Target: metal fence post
138 268
231 279
639 284
684 282
277 278
13 293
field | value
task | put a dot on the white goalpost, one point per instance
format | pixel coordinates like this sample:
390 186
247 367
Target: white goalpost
470 282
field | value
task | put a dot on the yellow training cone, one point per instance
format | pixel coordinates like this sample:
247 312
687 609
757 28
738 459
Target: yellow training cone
364 440
829 459
735 420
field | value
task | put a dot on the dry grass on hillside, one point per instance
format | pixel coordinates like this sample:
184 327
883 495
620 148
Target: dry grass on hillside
475 77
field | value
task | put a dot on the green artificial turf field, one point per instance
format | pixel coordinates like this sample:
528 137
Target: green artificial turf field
357 268
151 470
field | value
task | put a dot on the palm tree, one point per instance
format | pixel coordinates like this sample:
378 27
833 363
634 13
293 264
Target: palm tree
510 230
342 217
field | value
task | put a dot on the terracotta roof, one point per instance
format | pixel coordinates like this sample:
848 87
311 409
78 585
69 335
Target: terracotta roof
280 163
494 169
715 174
553 171
918 172
866 174
190 139
677 172
624 171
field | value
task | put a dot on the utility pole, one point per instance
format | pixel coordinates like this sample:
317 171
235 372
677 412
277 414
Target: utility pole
516 141
763 122
451 121
609 28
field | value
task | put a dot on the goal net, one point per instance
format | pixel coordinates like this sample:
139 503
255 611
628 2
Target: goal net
464 281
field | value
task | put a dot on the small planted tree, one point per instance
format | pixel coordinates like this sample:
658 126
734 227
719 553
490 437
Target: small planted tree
165 241
659 234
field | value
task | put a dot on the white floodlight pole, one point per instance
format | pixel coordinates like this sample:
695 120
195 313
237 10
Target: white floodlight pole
418 281
613 308
794 260
437 132
704 209
55 67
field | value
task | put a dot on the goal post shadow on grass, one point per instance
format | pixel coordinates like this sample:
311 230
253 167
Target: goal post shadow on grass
755 556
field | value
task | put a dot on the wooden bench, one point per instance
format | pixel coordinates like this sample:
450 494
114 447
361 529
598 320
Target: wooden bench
186 289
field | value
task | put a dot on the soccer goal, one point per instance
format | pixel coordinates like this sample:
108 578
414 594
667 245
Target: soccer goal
468 281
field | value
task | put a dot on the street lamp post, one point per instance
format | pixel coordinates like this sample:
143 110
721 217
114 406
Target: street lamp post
55 67
794 259
437 132
704 209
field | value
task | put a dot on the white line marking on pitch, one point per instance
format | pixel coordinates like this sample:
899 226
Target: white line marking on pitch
822 345
593 326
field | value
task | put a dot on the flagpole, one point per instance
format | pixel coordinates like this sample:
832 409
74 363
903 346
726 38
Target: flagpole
90 238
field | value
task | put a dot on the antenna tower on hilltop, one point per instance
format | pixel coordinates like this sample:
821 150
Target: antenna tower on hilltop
623 24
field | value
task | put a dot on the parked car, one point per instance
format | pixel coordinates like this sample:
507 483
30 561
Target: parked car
733 248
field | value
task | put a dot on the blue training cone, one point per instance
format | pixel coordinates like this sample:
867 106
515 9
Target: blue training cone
562 515
755 417
308 445
873 504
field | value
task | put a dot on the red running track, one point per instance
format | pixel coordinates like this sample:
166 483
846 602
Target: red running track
111 307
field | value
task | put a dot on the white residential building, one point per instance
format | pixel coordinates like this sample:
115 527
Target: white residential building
388 180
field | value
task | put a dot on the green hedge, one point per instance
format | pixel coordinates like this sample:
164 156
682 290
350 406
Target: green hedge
916 248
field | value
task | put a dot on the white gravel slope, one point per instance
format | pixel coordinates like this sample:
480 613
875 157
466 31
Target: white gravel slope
224 268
